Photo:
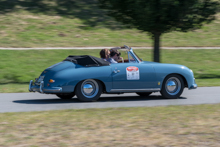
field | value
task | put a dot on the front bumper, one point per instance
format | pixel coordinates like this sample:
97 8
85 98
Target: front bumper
193 86
40 88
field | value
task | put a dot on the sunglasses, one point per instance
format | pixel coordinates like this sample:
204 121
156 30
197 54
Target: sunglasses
119 54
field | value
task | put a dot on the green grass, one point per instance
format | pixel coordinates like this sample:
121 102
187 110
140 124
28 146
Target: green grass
17 68
82 23
133 127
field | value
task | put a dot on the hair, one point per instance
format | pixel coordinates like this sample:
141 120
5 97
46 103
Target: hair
114 52
103 53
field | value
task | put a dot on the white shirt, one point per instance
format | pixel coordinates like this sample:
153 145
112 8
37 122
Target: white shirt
111 60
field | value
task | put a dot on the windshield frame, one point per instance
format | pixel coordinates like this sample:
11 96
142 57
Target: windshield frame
129 51
134 55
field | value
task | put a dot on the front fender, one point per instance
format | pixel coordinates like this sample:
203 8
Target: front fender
163 70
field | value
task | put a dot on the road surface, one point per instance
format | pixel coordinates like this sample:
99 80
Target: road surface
23 102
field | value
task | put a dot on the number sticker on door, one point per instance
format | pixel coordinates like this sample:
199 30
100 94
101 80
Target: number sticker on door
132 73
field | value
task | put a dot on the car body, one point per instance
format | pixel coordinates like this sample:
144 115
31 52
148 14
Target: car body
66 78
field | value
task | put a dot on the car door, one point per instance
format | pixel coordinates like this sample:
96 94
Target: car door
133 76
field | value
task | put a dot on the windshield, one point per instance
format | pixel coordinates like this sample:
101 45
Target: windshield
137 56
124 54
128 56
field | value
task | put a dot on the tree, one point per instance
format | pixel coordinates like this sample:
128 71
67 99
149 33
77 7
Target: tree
161 16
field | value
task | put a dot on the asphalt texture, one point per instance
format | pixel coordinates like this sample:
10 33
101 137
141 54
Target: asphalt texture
24 102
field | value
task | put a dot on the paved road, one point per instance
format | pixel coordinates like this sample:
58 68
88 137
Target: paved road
22 102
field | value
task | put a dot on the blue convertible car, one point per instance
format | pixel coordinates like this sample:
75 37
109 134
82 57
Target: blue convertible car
88 77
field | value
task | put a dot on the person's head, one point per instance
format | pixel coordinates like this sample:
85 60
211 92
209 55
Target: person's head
115 54
104 53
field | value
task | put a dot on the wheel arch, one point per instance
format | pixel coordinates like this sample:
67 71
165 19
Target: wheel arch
184 79
101 82
103 85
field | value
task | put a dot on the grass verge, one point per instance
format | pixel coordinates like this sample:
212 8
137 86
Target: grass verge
86 25
17 68
151 126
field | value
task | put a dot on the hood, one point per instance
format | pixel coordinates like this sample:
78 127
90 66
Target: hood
167 65
144 62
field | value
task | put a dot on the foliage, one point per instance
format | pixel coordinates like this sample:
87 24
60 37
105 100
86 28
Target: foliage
85 10
54 23
161 16
25 29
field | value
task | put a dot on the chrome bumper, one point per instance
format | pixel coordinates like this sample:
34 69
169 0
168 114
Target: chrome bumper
40 88
193 86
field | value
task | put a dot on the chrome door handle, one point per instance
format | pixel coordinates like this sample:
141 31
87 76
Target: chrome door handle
116 71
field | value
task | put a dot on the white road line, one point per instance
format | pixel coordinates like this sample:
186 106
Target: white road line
69 48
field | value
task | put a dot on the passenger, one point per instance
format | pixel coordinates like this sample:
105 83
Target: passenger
115 56
104 54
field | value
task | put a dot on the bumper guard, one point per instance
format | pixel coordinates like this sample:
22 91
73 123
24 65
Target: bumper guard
40 88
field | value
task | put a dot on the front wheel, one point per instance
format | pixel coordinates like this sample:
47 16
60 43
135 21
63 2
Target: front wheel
88 90
172 87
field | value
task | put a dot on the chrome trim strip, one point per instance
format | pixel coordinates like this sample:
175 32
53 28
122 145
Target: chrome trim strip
53 90
136 90
134 56
45 90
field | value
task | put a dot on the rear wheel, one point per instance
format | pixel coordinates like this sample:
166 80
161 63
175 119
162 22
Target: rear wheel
88 90
145 94
172 87
66 96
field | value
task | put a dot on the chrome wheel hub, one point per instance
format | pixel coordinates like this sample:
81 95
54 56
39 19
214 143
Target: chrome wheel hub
87 89
173 86
90 88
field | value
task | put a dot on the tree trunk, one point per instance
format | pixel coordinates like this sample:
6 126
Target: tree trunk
156 38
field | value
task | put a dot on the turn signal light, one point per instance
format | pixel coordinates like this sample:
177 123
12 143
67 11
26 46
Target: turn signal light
51 81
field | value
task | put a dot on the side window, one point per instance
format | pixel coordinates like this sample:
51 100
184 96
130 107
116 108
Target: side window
127 57
124 55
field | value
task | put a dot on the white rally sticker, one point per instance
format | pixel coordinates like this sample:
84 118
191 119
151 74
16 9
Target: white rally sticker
132 73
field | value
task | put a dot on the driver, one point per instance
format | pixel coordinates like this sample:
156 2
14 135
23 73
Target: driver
114 56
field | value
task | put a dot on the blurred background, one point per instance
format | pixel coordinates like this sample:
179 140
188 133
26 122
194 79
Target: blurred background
71 23
82 23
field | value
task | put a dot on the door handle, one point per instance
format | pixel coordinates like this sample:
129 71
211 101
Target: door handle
116 71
